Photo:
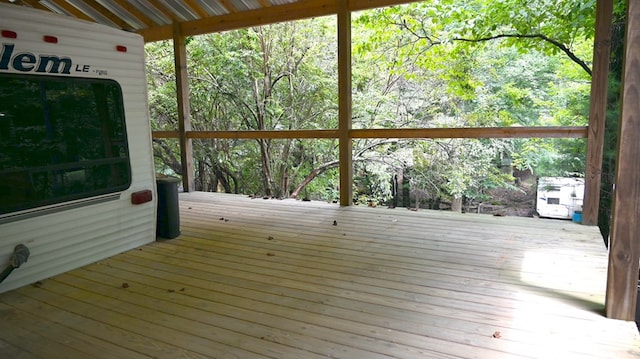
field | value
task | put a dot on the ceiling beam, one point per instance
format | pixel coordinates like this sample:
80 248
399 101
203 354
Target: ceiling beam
358 5
302 9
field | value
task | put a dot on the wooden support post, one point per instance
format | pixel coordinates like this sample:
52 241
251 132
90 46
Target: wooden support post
184 109
344 103
597 111
624 247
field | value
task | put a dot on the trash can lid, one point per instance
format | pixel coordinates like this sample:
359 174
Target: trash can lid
167 179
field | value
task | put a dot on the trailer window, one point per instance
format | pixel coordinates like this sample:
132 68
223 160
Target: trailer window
61 139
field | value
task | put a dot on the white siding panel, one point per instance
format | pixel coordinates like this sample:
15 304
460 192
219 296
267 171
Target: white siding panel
62 241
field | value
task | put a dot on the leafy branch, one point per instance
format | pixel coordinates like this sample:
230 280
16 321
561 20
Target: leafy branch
542 37
559 45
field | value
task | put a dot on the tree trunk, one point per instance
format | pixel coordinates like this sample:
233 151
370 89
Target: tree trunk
265 157
315 173
456 204
399 185
166 153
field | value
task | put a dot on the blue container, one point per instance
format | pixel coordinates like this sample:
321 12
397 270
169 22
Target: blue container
577 216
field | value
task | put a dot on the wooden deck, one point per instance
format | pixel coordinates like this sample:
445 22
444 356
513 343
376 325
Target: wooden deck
253 278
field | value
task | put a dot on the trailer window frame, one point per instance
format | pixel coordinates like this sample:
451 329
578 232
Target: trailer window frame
62 139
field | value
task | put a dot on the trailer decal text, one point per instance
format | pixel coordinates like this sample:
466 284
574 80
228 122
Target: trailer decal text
29 62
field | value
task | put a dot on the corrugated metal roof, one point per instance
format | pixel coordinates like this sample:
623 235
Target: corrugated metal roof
154 18
214 8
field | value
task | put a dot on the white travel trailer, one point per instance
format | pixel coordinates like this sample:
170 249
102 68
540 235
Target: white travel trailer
559 197
77 180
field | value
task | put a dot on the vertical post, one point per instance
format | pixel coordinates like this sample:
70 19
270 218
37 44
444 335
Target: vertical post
344 103
624 248
399 202
184 109
597 111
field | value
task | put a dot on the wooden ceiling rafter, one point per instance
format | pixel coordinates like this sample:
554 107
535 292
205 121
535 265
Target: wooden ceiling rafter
33 3
264 3
65 5
153 19
118 21
228 6
298 10
197 8
166 12
135 12
293 11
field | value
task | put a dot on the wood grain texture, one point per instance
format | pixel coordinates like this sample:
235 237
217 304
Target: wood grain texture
624 251
345 155
297 10
301 9
473 132
254 278
597 111
184 109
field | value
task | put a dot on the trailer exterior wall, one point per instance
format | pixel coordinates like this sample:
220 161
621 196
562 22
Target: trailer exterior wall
74 233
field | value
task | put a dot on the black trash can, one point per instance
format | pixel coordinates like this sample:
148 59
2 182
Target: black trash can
638 307
168 218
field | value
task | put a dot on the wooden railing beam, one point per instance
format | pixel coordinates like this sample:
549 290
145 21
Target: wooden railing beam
479 132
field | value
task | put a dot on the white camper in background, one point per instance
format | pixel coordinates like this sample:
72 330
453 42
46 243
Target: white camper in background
559 197
77 180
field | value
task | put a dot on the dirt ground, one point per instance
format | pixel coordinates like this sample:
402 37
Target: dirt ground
518 201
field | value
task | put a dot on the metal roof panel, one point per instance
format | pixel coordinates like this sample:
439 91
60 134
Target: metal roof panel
213 7
180 9
152 12
122 13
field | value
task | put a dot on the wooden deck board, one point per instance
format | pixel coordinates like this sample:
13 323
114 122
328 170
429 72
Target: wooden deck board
253 278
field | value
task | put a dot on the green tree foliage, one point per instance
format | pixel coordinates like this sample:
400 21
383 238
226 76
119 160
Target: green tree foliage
457 168
481 63
431 64
265 78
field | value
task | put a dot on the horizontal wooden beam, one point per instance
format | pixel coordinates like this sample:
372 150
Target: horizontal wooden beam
166 134
298 10
475 132
251 134
273 14
469 132
265 134
357 5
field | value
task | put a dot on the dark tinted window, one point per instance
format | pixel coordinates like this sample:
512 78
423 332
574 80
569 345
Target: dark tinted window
553 200
61 139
